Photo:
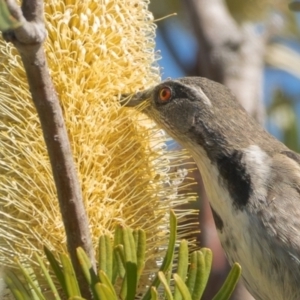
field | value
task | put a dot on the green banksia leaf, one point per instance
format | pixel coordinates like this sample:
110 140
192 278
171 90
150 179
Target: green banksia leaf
165 283
123 291
115 264
200 277
106 255
206 268
56 269
7 21
86 266
183 264
16 287
132 276
35 291
118 255
129 283
196 276
154 294
230 283
182 288
169 254
106 281
48 278
70 277
199 271
172 240
104 292
140 241
192 272
87 269
129 245
120 260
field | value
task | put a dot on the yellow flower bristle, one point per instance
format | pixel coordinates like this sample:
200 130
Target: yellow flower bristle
96 50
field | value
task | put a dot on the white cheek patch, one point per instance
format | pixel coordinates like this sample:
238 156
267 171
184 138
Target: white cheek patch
254 154
258 164
201 95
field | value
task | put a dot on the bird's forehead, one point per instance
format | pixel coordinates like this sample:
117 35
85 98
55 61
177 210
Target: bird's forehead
198 92
189 88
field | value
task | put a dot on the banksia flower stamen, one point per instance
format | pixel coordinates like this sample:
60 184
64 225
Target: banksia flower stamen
96 52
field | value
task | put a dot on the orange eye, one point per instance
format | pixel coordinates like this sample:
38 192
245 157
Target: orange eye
165 94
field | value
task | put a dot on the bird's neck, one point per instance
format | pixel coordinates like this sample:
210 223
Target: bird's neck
225 171
237 171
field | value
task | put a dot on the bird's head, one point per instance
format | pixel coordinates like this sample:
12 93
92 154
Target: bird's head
195 110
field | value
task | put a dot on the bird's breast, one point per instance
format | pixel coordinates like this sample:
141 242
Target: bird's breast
241 232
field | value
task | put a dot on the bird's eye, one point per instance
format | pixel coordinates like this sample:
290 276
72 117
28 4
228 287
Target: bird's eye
165 94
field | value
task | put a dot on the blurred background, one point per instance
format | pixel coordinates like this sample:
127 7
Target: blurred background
253 47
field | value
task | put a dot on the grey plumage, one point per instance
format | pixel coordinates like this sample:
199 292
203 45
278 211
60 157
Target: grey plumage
252 180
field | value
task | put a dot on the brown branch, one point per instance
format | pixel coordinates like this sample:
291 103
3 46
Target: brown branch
230 54
216 32
28 39
294 6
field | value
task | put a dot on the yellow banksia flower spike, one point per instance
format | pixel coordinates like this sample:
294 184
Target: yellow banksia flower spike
96 50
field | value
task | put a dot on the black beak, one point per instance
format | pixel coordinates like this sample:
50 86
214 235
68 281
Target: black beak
132 100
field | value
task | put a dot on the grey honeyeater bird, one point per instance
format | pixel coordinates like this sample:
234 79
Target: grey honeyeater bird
252 180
